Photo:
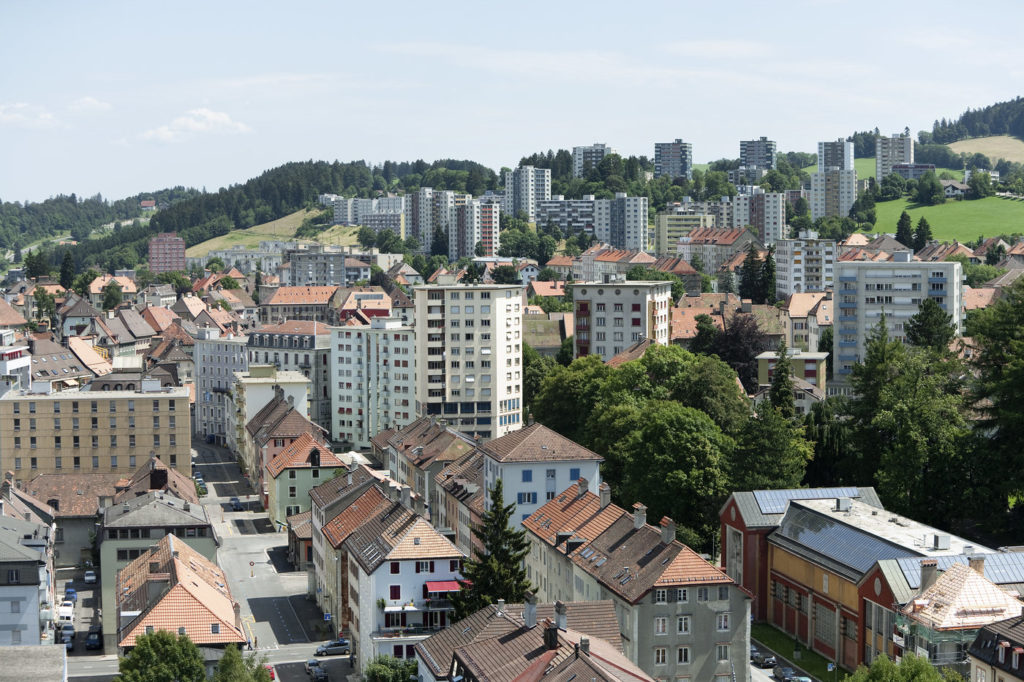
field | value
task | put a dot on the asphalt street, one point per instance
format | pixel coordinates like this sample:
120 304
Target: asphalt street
275 614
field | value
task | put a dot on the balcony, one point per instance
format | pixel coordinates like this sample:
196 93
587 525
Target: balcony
847 304
847 344
936 280
848 357
848 278
937 292
407 631
847 318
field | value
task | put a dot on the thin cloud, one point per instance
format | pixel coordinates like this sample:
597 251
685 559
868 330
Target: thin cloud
719 49
197 121
24 115
89 104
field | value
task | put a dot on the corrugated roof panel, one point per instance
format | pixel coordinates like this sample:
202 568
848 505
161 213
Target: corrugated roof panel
776 501
844 544
1004 568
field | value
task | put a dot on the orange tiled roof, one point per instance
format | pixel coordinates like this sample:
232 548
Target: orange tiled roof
297 456
980 297
684 321
100 283
548 288
801 304
302 295
159 318
363 507
715 235
306 327
559 261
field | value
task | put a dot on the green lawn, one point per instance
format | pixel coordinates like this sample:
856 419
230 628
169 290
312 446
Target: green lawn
961 220
782 644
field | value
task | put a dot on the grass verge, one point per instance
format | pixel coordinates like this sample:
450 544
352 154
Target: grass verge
784 645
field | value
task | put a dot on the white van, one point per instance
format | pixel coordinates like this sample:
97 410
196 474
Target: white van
66 612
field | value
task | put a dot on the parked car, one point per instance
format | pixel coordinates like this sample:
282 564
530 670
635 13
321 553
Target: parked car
783 673
67 630
318 675
90 578
94 640
71 595
764 660
270 671
68 642
801 678
311 664
754 653
337 647
236 504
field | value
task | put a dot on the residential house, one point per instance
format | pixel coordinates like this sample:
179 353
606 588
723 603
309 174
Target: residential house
300 540
76 500
546 332
298 303
954 190
604 263
250 392
939 251
291 474
634 352
611 317
546 289
26 583
98 287
76 314
563 265
714 246
128 530
52 362
188 307
173 587
997 653
156 295
9 317
677 614
276 426
303 347
808 377
460 487
674 265
800 307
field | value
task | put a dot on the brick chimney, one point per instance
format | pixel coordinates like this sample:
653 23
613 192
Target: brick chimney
560 615
550 635
585 645
582 487
977 562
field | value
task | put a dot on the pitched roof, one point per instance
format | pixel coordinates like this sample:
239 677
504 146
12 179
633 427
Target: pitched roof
135 323
339 486
800 304
427 440
632 352
394 533
937 251
559 261
85 352
371 502
979 297
684 322
463 479
306 327
764 508
962 599
100 283
594 618
154 508
301 525
179 329
195 596
279 419
192 304
301 453
155 475
302 295
536 443
9 317
53 362
547 288
715 235
675 265
77 306
73 493
856 239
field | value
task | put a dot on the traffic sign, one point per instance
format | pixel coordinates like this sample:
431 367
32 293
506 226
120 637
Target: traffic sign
252 563
327 617
831 667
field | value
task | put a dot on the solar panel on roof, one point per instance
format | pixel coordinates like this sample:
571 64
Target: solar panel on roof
844 544
776 501
1002 568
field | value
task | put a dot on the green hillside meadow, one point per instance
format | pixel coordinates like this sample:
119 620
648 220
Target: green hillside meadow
961 220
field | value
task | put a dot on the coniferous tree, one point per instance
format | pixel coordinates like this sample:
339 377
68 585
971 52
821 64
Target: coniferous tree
781 392
112 296
67 271
905 230
923 234
750 274
767 278
496 571
931 327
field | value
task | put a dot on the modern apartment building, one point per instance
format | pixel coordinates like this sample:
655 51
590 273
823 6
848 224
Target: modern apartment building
570 215
303 347
805 264
476 222
838 154
758 153
419 220
673 159
217 358
890 151
833 192
26 585
715 246
468 356
524 188
671 226
628 225
587 157
320 266
166 253
357 211
93 431
372 380
764 211
866 290
679 617
265 258
612 316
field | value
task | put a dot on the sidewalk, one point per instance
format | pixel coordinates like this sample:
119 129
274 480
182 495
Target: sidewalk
312 618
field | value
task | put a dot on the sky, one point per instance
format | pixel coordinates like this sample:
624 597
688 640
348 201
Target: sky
120 98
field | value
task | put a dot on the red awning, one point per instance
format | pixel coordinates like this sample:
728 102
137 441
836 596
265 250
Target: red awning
443 586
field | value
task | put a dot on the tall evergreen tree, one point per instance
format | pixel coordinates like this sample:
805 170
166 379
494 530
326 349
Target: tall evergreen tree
781 392
496 572
112 296
67 271
931 327
750 274
923 234
767 278
905 230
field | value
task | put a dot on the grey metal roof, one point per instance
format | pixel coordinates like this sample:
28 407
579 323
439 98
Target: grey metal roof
767 511
153 509
1002 568
12 531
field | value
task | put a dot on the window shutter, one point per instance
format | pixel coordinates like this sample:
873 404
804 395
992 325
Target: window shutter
654 596
417 567
431 566
671 596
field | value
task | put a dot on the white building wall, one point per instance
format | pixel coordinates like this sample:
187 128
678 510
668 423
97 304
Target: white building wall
614 306
216 361
21 626
532 484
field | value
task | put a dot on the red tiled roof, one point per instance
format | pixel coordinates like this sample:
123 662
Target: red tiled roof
559 261
363 507
548 288
715 235
302 295
306 327
298 456
684 321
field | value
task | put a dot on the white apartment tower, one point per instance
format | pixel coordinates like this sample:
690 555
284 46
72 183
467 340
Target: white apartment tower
628 222
838 154
612 316
833 192
892 150
673 159
585 158
524 187
373 380
475 222
217 358
867 289
419 217
805 264
468 356
765 211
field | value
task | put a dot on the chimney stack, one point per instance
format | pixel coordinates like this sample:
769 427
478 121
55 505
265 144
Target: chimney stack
977 562
605 492
929 570
585 645
550 635
238 615
668 530
501 608
582 485
530 609
639 516
407 497
560 615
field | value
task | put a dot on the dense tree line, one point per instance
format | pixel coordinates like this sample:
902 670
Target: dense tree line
1001 118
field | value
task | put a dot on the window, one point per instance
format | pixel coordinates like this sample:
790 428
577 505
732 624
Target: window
527 475
56 408
181 631
722 622
156 440
131 459
683 625
395 567
13 576
74 423
660 625
659 655
95 442
574 474
424 566
131 405
33 463
291 491
131 441
661 596
156 405
15 606
93 406
215 628
170 422
113 461
76 441
723 652
453 565
95 462
149 629
17 442
682 595
683 655
702 594
113 441
156 422
723 593
526 498
395 592
824 583
57 465
56 424
824 623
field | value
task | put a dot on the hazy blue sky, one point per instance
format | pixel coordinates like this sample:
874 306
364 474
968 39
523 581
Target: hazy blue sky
126 97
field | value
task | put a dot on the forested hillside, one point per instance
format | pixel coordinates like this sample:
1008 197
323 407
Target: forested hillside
1002 118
